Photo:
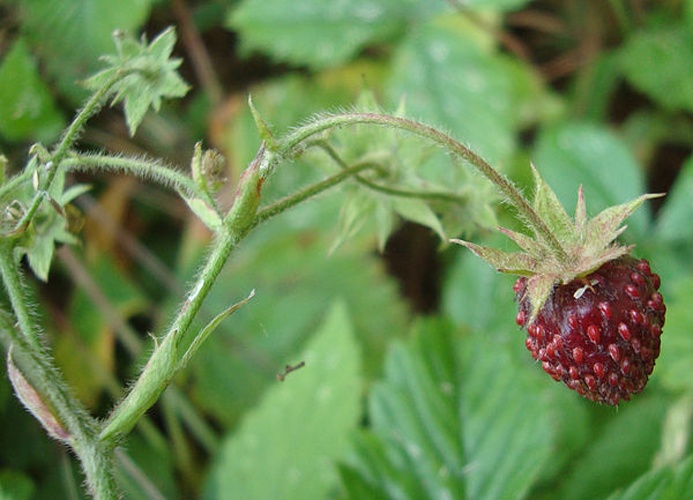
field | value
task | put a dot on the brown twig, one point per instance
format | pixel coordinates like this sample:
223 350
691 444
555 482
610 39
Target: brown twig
288 369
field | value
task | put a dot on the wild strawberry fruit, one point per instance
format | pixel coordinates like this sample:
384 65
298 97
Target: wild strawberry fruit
598 334
593 313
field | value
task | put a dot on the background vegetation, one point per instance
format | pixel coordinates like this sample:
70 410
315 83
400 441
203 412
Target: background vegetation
417 383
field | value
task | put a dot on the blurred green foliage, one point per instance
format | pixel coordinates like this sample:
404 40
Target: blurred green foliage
389 404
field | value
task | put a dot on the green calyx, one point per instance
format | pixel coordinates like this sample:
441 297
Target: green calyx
572 247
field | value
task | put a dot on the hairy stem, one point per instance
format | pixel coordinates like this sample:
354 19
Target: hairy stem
92 106
169 355
504 185
308 192
139 167
72 424
403 193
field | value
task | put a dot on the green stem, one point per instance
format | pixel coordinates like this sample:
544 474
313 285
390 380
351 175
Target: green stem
504 185
166 359
18 292
139 167
294 199
73 425
424 195
91 107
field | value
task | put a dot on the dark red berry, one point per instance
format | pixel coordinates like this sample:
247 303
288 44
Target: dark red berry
599 334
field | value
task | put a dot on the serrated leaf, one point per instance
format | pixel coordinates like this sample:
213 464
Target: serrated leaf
295 278
27 110
630 438
151 75
279 437
448 421
666 483
321 34
416 450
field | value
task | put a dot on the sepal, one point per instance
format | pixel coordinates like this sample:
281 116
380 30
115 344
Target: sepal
505 262
550 210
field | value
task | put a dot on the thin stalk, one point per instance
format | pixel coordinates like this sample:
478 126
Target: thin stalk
164 361
294 199
403 193
18 293
139 167
504 185
91 107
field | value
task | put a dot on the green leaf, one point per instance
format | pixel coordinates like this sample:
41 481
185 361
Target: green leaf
147 470
150 75
15 485
286 447
322 34
659 62
450 77
673 223
674 364
418 211
27 110
667 483
475 295
571 154
70 35
294 276
629 439
417 451
509 425
453 418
